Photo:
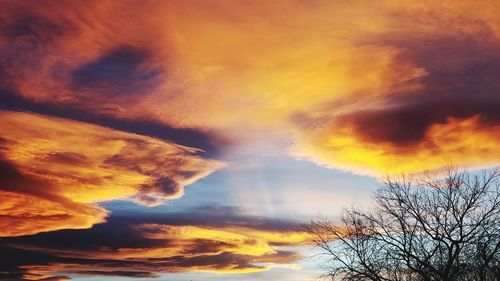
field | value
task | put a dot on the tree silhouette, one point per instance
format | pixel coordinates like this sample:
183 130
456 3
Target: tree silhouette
424 228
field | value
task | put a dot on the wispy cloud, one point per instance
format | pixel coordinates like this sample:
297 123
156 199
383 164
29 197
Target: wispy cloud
159 244
64 167
115 87
342 80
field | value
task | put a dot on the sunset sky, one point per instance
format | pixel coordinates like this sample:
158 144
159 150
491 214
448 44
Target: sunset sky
189 140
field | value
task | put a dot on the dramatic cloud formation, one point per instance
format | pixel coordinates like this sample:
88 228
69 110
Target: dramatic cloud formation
123 248
452 118
185 63
343 80
448 115
53 170
128 99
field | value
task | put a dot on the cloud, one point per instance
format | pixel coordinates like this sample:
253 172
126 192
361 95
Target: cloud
248 72
58 169
372 88
171 69
23 214
451 118
117 74
455 141
121 247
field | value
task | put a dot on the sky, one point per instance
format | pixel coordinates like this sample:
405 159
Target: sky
190 140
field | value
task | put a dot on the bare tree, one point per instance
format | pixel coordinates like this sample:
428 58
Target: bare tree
426 228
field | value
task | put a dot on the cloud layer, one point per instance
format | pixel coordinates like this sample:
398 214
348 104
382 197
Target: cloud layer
169 243
53 171
451 117
114 87
384 79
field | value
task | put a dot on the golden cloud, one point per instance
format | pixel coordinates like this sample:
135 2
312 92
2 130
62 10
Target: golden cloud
454 141
382 87
24 214
189 66
56 170
169 248
246 69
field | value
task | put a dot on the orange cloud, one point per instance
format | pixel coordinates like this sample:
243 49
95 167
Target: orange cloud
151 248
286 68
454 141
55 167
190 242
24 214
382 87
238 240
194 64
